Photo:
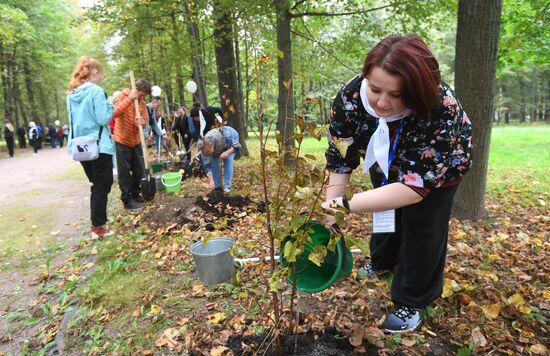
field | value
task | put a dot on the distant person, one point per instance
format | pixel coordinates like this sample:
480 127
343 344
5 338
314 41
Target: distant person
180 127
219 145
52 134
416 141
89 113
59 133
21 135
204 119
152 130
40 132
129 156
33 137
9 136
160 133
65 132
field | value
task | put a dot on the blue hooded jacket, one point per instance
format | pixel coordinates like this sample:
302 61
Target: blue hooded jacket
88 110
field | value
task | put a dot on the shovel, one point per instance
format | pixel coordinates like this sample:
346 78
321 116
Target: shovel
148 187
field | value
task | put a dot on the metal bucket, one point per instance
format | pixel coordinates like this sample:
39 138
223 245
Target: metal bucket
158 183
213 260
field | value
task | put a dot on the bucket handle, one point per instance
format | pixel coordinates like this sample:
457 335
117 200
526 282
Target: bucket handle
170 185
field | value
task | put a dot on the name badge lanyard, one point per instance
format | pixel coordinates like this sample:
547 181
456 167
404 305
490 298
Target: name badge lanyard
393 150
384 221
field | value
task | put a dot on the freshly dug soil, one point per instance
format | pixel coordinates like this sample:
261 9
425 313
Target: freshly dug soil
201 211
328 343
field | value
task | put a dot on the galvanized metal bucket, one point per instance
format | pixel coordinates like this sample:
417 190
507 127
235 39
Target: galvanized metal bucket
213 261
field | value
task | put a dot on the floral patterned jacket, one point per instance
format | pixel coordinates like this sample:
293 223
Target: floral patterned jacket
430 153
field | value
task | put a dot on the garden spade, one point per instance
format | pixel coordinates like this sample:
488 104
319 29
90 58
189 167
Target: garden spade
148 187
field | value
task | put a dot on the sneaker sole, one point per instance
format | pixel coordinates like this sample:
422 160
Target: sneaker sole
96 236
402 331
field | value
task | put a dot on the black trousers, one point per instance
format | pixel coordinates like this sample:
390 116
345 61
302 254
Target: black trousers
10 142
129 162
418 248
100 174
22 141
34 143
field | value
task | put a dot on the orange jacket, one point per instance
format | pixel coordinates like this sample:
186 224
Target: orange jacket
126 131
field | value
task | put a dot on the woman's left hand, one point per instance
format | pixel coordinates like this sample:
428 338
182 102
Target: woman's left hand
225 154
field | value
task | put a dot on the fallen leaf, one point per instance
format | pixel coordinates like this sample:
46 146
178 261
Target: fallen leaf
491 311
525 309
154 309
478 339
136 312
375 336
538 349
356 336
546 294
54 233
408 342
516 300
218 351
216 318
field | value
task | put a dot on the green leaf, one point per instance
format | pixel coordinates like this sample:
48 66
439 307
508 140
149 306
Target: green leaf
280 53
291 252
362 245
318 254
303 192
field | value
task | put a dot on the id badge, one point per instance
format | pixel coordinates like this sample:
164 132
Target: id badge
383 221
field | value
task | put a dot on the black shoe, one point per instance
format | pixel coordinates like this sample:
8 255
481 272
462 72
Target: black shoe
138 198
369 271
401 320
133 205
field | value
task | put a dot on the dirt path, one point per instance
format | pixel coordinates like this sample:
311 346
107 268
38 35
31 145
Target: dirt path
44 212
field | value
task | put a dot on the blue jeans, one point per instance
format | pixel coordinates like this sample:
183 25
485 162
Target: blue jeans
227 171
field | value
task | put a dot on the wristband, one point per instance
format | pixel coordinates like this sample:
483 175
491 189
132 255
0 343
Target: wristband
345 203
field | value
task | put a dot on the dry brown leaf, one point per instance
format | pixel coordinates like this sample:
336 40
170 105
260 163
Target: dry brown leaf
478 339
375 336
408 342
356 336
538 349
136 312
218 351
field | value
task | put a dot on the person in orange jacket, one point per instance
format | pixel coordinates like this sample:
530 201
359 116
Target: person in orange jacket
129 155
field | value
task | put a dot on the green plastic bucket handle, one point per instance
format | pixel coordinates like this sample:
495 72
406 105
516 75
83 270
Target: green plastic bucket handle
170 185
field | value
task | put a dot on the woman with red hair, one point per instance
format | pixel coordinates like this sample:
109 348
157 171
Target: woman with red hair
416 142
90 111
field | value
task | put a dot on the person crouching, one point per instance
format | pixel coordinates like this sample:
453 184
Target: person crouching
219 144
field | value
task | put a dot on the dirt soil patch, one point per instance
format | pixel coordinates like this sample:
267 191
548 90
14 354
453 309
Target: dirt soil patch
329 343
203 211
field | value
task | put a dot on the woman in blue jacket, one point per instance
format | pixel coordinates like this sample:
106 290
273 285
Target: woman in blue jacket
89 113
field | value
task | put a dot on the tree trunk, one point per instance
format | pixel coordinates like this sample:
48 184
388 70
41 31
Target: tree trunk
227 78
29 87
247 78
522 105
285 100
196 55
240 82
547 102
475 70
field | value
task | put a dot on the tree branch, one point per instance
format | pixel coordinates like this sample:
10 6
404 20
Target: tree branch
329 14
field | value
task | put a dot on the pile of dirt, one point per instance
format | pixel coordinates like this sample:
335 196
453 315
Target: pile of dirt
328 343
202 211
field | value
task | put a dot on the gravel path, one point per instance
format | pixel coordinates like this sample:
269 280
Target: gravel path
48 183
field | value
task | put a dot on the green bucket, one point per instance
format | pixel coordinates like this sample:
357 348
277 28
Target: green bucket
337 265
171 182
157 166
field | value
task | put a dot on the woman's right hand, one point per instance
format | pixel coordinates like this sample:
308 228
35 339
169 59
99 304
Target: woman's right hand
328 220
212 184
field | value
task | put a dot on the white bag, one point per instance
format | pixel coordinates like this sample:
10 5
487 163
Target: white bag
85 148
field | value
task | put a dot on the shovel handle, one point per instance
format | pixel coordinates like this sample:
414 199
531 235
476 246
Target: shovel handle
142 138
